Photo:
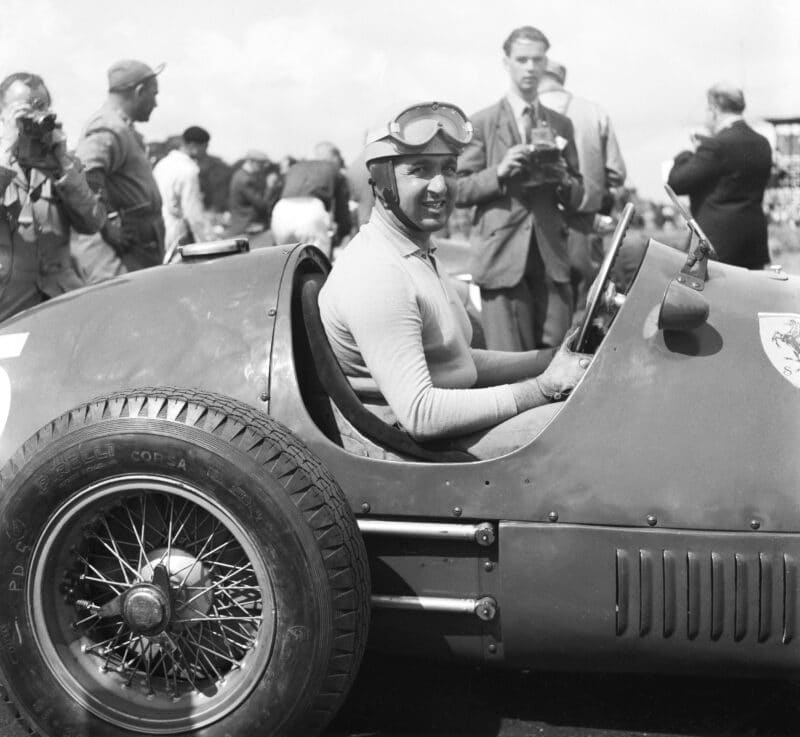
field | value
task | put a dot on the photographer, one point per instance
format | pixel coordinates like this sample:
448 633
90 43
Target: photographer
43 193
520 171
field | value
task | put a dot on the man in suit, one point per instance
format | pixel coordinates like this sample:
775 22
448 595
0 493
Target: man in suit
519 172
725 179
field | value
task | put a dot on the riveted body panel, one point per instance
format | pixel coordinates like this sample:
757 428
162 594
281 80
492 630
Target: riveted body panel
652 525
704 602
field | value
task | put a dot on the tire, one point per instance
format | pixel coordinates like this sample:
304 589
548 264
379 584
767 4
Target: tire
176 563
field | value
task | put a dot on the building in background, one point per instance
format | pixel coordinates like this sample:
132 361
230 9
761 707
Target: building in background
782 198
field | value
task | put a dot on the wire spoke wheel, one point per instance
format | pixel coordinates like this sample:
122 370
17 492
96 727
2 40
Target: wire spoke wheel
150 601
179 563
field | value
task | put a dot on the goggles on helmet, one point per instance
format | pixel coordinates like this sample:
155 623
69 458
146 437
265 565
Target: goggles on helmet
417 125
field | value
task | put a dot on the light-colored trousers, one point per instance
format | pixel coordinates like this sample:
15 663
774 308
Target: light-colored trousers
304 220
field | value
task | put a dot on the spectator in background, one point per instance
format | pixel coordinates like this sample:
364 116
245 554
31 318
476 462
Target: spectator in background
602 168
314 205
725 177
285 164
43 193
519 169
118 168
358 182
254 189
178 179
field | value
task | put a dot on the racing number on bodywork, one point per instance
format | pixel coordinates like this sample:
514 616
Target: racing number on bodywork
11 346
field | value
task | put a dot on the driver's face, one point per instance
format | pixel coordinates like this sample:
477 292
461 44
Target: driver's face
426 188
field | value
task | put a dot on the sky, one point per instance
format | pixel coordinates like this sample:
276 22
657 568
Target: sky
281 75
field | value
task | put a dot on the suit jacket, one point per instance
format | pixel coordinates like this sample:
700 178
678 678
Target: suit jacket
725 180
250 202
505 213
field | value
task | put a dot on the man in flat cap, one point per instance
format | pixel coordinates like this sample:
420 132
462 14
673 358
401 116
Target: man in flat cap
725 178
178 179
601 165
113 153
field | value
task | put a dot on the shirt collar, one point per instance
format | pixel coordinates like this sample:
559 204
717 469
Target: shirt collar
22 185
517 103
728 121
404 246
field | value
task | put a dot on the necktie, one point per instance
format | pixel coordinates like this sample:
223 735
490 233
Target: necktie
527 123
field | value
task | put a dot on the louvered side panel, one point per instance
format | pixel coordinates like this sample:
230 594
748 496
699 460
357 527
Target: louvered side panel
707 595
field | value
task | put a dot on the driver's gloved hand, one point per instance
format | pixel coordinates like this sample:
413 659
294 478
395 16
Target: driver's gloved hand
565 370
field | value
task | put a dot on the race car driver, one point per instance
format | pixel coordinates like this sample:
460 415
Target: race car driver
397 327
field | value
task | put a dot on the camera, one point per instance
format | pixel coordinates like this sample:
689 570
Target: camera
544 158
35 141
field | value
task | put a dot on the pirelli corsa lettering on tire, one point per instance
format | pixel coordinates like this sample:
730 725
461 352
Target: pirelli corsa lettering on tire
153 456
150 596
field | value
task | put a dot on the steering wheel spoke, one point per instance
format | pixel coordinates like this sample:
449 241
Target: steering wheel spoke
603 295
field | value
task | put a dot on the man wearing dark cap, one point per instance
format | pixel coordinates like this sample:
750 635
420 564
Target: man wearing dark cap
178 179
117 167
725 177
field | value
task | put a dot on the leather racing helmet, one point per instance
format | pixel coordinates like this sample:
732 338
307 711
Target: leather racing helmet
422 128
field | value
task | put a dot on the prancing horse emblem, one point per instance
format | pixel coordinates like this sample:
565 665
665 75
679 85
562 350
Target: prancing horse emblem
780 338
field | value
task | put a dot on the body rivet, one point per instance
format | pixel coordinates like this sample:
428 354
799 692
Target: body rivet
652 520
492 648
755 524
457 511
365 507
553 516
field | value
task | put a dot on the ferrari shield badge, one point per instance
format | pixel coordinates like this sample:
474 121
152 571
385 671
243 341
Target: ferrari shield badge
780 337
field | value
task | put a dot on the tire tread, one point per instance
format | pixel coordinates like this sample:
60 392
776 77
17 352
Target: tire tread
307 483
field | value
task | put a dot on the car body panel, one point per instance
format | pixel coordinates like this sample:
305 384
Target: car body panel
669 475
718 602
657 429
204 325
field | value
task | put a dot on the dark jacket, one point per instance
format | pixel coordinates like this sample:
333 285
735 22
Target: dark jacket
725 180
505 213
250 202
323 180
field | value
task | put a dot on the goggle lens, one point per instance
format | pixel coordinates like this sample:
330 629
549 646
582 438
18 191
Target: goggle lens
417 125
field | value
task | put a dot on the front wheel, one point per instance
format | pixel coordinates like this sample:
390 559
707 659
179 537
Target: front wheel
177 563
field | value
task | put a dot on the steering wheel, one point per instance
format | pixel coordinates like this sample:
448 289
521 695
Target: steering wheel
603 291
